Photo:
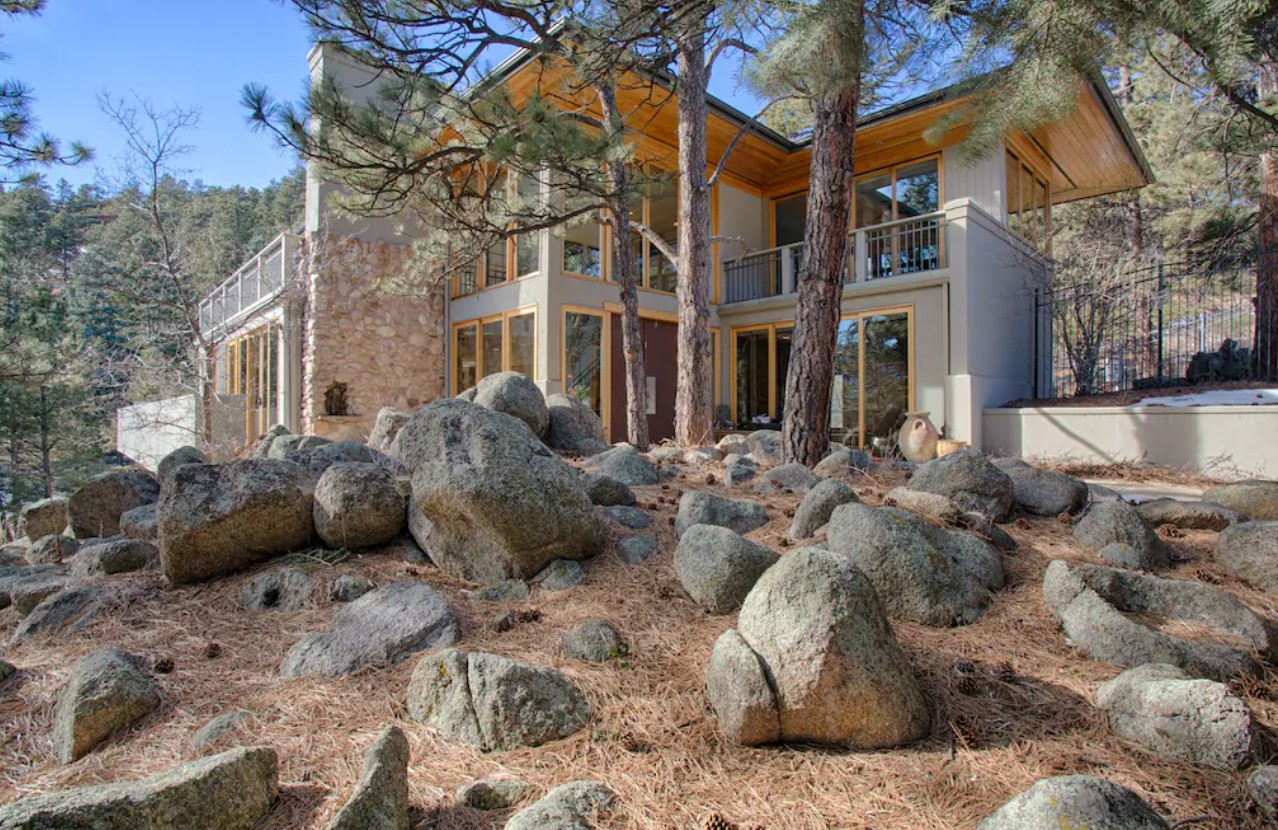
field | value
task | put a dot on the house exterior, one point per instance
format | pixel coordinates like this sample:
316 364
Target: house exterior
937 308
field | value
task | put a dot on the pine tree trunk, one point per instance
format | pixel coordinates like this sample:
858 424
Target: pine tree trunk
46 446
1266 357
624 273
805 432
208 392
694 390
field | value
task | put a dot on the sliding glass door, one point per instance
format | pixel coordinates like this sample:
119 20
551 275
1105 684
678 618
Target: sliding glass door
873 386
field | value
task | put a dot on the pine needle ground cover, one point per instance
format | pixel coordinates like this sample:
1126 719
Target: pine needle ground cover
1011 700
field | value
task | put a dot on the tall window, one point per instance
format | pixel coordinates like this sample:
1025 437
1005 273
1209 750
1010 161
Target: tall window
871 393
501 343
583 250
663 219
790 216
583 358
656 205
250 368
1029 211
907 192
752 350
516 256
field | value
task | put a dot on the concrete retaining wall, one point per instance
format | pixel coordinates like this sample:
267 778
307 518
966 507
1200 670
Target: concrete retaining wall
1216 439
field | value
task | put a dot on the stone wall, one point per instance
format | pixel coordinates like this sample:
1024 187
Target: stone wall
368 324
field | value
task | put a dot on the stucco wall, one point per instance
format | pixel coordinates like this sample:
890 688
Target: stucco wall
366 327
146 432
1217 439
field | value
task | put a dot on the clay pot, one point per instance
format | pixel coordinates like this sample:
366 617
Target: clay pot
918 437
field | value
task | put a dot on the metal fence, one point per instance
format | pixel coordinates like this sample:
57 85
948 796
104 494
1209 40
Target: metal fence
1159 326
259 280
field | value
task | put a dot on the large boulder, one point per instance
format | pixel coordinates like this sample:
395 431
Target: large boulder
47 517
141 523
358 505
581 805
380 800
718 567
114 557
606 490
625 464
231 791
261 448
51 550
493 702
1189 515
501 505
1046 492
969 479
794 477
827 667
217 519
1176 717
383 626
697 507
316 460
177 458
1255 499
818 505
1098 609
66 610
1250 552
1075 801
922 573
285 445
95 509
765 446
573 426
514 394
108 692
386 426
1108 522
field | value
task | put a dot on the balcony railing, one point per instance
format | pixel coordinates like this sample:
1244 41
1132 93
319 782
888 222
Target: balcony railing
906 246
253 286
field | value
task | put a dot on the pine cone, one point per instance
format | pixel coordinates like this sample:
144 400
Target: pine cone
1006 673
967 684
714 821
965 667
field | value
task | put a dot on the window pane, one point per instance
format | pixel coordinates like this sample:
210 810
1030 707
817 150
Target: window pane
874 201
583 251
752 378
1012 189
491 363
844 397
784 336
1026 199
918 189
495 265
527 253
663 216
467 358
1040 212
887 376
583 359
522 342
791 216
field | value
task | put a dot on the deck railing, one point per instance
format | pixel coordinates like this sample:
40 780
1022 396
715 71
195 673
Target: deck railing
254 285
906 246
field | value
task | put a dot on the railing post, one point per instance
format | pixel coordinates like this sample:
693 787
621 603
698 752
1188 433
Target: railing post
856 269
787 271
1159 375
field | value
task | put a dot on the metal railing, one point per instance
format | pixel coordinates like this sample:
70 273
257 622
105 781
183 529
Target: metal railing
255 284
905 246
1163 325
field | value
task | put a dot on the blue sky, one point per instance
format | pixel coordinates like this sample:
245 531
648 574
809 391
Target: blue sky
183 52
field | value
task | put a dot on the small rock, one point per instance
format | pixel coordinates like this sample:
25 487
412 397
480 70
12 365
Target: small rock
842 462
765 445
1250 552
732 445
108 692
581 805
47 517
718 567
573 426
348 588
931 505
515 394
380 800
1122 555
280 590
493 793
701 508
141 523
794 477
387 425
51 550
1108 522
115 557
816 507
212 733
969 479
739 472
560 575
606 490
1099 492
70 609
595 641
631 517
1189 515
1075 801
95 509
1255 499
1262 787
625 464
508 590
635 549
177 458
1046 492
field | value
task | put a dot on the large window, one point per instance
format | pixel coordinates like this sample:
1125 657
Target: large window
519 255
663 219
250 367
1029 212
583 251
501 343
760 362
872 383
583 358
908 192
587 249
790 216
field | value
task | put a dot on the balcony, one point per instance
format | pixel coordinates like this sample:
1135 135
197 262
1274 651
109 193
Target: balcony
254 286
878 252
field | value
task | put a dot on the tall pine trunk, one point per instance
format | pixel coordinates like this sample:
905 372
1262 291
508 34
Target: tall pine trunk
46 444
1266 356
805 432
624 272
694 390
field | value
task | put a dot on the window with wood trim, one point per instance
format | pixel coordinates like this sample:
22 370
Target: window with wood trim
499 343
901 192
1029 211
516 256
583 358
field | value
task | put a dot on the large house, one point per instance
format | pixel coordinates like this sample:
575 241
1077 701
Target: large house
938 312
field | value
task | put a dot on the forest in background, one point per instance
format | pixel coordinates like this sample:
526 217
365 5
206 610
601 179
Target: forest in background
91 307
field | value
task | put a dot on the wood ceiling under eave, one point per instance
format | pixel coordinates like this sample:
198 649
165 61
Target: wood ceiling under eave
1087 152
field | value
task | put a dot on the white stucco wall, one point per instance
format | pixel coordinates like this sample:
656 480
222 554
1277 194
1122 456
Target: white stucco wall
1217 439
146 432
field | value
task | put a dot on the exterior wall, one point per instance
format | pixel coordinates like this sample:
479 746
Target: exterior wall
388 347
978 182
146 432
1215 439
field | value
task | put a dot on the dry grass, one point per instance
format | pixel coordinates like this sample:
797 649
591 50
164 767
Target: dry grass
1137 472
1010 700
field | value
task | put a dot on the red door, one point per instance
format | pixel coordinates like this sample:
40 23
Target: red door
660 354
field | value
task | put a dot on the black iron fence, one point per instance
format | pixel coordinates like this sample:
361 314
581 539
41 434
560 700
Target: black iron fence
1159 326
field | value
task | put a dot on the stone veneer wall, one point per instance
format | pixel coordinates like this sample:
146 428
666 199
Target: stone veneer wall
385 343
